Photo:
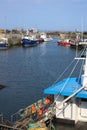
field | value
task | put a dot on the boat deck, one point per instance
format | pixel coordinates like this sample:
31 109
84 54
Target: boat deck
24 117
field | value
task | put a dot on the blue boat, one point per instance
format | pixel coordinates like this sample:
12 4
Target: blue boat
27 41
4 43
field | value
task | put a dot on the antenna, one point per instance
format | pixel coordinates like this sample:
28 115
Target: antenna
76 50
77 40
82 26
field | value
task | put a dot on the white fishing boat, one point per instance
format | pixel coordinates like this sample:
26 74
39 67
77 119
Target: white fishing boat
45 37
83 42
4 43
70 95
80 44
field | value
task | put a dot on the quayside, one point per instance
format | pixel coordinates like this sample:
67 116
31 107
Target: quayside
66 101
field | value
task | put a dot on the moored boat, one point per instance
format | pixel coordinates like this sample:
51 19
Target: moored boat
83 42
70 95
77 44
45 37
65 42
28 41
4 43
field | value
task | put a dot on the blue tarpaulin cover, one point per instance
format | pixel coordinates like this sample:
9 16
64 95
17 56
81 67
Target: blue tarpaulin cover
67 87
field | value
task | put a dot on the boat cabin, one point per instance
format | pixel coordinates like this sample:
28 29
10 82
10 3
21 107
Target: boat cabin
75 108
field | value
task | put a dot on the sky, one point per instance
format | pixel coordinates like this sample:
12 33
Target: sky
47 15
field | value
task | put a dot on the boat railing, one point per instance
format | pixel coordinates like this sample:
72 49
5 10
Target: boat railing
41 111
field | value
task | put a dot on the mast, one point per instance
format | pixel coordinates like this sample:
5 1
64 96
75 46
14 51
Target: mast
82 27
84 76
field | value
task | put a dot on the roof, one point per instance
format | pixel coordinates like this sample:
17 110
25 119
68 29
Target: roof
67 87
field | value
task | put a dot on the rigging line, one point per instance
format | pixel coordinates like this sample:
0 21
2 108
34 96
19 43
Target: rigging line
81 69
82 51
67 68
76 87
64 71
67 79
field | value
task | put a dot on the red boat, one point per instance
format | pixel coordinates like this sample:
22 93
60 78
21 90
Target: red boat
65 42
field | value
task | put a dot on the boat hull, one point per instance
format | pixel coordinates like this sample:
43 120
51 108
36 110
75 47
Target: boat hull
47 39
3 46
74 45
63 43
28 43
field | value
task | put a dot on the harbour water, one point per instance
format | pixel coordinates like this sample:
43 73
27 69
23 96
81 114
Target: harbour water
26 72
